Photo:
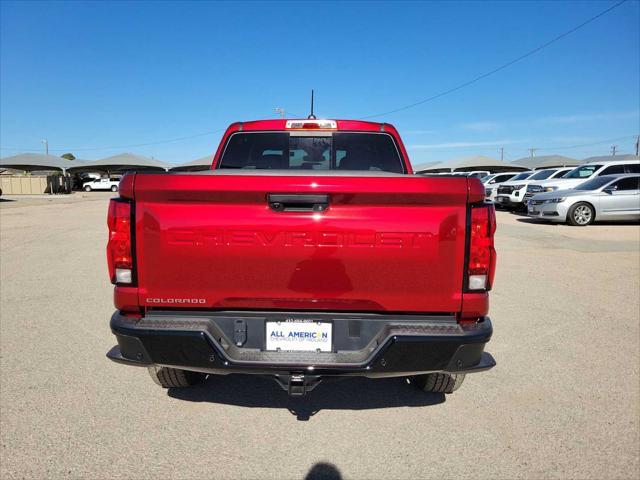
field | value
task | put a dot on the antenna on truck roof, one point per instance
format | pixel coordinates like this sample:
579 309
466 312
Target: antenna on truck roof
311 116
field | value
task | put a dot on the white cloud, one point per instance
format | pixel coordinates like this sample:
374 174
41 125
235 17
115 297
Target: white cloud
481 126
569 119
435 146
419 132
571 139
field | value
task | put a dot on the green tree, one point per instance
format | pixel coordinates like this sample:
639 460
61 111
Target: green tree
69 156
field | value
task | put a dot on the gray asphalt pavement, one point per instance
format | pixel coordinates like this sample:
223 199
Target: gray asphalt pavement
563 401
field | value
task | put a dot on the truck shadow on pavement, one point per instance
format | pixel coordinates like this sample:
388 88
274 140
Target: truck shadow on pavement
535 221
605 223
519 213
343 394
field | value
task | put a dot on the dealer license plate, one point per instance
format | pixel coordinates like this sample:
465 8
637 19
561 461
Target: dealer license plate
299 336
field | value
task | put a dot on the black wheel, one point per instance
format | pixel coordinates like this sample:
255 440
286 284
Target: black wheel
438 382
581 214
87 188
114 188
174 378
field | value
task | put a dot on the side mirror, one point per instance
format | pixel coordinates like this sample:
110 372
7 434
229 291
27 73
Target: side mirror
609 190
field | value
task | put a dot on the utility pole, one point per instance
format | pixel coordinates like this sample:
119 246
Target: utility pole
45 142
501 154
638 146
280 111
532 152
613 150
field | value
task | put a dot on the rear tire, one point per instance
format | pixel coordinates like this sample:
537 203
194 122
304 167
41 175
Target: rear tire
581 214
438 382
87 188
114 188
175 378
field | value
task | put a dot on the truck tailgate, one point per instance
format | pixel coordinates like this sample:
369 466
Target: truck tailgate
391 243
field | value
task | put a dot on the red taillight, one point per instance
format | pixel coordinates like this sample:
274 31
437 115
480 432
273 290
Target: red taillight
482 254
119 256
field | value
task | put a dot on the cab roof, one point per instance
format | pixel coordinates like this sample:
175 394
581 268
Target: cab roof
284 124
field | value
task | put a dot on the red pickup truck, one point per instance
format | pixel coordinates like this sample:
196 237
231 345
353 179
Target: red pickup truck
308 250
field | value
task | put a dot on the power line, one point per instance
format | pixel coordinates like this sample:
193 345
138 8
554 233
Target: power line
406 107
147 144
471 147
114 147
501 67
626 137
536 149
415 104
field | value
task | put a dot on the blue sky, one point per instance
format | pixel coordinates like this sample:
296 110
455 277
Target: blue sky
92 75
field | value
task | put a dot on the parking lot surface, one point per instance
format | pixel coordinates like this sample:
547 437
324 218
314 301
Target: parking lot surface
563 400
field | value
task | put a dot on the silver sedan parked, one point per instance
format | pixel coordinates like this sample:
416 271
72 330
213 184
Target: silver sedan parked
609 197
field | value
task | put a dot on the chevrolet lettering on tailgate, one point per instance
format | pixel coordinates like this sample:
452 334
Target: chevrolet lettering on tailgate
253 238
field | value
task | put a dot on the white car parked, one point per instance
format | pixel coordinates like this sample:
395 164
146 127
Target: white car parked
591 170
102 184
606 197
512 194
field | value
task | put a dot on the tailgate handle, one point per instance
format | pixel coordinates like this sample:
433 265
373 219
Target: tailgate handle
298 202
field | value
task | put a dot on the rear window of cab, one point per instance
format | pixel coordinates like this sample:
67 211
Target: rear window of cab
312 151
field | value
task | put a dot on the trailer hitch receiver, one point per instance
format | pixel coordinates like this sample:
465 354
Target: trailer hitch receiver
297 384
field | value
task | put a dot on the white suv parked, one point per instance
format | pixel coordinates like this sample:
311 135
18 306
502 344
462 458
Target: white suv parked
591 170
493 181
536 185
